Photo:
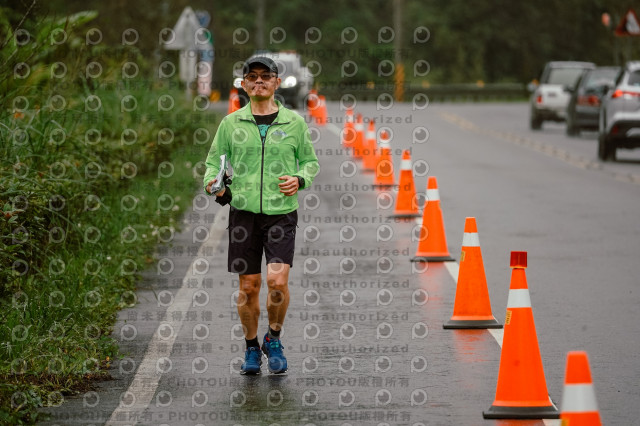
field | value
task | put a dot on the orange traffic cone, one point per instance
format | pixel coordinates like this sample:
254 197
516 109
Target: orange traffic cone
521 392
312 101
407 200
433 241
359 142
234 101
321 111
384 165
472 307
348 131
579 406
369 154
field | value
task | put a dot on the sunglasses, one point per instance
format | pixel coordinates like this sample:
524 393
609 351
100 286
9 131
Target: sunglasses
252 76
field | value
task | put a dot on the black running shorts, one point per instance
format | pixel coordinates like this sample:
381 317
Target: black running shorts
251 234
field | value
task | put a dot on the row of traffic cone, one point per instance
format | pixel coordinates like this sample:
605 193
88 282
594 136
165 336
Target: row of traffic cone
316 104
521 391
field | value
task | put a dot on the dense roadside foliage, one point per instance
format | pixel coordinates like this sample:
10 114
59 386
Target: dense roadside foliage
96 162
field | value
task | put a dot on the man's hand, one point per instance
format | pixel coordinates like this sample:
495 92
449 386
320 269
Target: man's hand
289 186
210 185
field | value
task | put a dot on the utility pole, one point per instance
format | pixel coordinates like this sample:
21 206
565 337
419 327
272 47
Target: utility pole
260 25
397 50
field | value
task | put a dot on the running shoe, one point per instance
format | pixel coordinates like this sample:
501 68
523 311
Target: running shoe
252 361
272 348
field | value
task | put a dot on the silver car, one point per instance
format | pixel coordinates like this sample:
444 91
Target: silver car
550 98
619 124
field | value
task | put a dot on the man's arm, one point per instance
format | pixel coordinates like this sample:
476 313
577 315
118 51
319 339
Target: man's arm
308 166
219 146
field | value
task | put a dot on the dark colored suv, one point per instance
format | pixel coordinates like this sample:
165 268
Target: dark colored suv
583 111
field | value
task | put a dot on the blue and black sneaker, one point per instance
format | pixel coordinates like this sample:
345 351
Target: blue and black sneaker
272 348
252 361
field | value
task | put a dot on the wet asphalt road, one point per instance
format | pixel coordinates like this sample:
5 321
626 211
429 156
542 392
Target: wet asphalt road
364 335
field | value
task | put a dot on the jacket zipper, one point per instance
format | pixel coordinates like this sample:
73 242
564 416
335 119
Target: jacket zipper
262 154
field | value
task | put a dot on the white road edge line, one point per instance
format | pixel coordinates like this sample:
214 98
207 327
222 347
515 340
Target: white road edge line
453 268
333 129
145 382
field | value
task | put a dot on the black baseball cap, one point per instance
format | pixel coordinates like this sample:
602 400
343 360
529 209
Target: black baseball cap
261 60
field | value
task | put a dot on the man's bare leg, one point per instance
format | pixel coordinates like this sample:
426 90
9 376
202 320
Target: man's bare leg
278 298
249 303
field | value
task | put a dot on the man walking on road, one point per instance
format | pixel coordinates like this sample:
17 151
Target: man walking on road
270 151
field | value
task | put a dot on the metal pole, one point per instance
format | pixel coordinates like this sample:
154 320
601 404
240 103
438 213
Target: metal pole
397 50
260 25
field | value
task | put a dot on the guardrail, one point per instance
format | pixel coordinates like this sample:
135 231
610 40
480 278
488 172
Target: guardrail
436 92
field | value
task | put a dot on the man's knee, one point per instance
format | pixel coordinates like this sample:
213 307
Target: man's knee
250 286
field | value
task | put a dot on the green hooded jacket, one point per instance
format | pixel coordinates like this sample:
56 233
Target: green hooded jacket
287 150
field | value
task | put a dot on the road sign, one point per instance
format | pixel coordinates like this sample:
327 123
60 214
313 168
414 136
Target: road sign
184 31
629 25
